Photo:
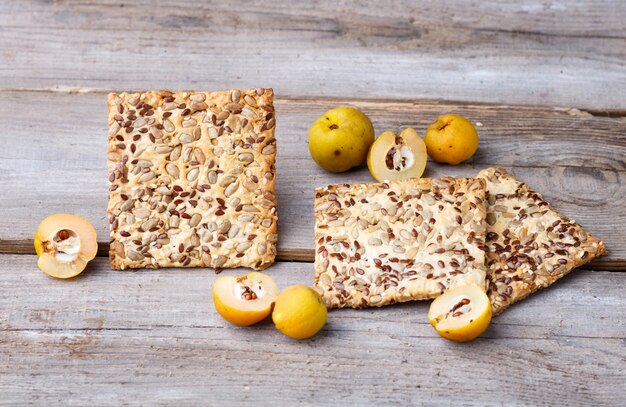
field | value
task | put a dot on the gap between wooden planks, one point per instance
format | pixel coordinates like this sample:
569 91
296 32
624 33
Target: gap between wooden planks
57 163
292 255
150 336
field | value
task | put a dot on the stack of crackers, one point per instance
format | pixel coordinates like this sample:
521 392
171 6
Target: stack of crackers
378 244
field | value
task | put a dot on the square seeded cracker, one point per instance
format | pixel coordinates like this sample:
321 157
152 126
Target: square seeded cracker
530 244
397 241
191 179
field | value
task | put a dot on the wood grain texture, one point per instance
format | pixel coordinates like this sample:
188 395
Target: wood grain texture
151 338
576 160
567 53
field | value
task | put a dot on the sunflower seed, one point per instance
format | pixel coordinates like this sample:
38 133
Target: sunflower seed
250 208
212 177
147 177
199 155
233 231
198 97
135 256
149 224
246 158
186 138
268 149
245 217
227 180
261 248
231 189
140 122
174 221
168 126
163 190
119 250
235 96
224 227
144 164
194 240
232 107
220 261
266 203
163 149
195 105
374 241
115 127
243 246
141 213
127 205
248 113
172 169
193 174
250 100
195 220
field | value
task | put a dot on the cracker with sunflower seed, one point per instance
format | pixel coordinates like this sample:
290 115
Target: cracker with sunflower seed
530 244
396 241
191 179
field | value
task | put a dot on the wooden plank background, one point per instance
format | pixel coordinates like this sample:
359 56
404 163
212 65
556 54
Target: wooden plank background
543 79
564 53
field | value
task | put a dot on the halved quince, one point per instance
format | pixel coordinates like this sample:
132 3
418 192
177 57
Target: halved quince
394 156
245 300
461 314
65 244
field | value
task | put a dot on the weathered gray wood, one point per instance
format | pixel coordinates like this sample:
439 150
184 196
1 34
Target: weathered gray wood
153 337
57 163
567 53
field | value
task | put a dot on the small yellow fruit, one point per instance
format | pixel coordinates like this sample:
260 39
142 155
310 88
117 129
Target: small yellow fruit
461 313
394 156
451 139
244 300
299 312
65 244
340 138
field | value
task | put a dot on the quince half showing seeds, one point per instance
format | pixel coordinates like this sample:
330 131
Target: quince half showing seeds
245 300
394 156
461 313
65 244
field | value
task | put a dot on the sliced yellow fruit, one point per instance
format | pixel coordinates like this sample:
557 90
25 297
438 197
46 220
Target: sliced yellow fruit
461 313
299 312
65 244
394 156
244 300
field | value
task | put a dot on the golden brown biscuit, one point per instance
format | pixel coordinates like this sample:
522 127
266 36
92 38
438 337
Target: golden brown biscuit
397 241
530 244
191 179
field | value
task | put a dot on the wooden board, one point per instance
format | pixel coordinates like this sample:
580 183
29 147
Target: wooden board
576 160
153 337
566 53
